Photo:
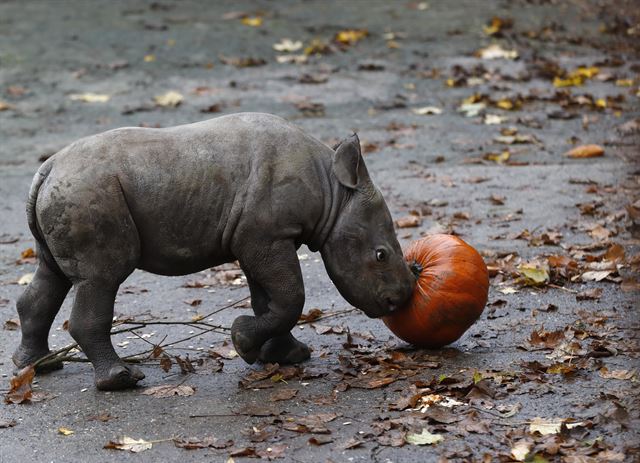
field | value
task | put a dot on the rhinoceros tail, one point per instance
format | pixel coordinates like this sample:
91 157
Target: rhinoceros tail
43 249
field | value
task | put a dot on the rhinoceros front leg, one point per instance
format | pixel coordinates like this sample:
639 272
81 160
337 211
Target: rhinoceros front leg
285 349
274 272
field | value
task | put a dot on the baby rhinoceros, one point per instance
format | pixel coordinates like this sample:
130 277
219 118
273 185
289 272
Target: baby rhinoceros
249 187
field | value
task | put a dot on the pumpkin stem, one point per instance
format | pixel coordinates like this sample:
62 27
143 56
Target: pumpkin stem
416 269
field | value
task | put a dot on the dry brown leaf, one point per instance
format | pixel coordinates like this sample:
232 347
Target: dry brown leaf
585 151
20 390
605 373
12 324
409 221
169 390
194 443
283 394
589 294
129 444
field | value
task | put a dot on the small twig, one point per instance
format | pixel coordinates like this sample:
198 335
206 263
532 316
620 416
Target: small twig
562 288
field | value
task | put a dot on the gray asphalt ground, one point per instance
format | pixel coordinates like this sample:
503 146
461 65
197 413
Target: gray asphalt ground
434 164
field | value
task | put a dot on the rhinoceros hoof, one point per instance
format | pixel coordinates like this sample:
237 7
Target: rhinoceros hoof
23 357
284 350
119 377
243 336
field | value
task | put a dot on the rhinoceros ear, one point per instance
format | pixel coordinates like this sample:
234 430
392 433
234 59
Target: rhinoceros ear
348 166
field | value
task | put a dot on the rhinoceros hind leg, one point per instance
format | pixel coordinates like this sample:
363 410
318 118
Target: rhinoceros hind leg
284 350
37 308
90 326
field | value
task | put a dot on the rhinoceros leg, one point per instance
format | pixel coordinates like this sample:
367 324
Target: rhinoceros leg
90 326
283 349
273 267
90 231
37 308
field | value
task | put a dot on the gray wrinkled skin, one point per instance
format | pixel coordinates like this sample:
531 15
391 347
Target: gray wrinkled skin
249 187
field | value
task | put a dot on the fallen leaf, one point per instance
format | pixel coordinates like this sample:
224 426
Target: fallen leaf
351 443
7 423
20 390
283 394
225 351
65 431
244 62
90 97
312 315
589 294
26 279
287 45
596 275
194 443
170 99
520 450
534 274
605 373
11 325
499 158
554 426
424 438
168 390
320 440
409 221
252 21
495 51
4 106
471 109
351 36
492 119
427 111
129 444
585 151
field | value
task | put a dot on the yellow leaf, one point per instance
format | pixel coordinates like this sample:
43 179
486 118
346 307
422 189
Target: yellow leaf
533 274
505 104
65 431
90 97
601 103
252 21
585 151
500 158
170 99
5 106
624 82
351 36
574 81
149 58
587 73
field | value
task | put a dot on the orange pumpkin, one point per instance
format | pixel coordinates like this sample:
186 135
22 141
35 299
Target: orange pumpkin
450 294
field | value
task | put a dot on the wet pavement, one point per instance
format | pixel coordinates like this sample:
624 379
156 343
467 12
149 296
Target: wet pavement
409 87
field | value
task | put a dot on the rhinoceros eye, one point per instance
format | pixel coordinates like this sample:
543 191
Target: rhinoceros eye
381 255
